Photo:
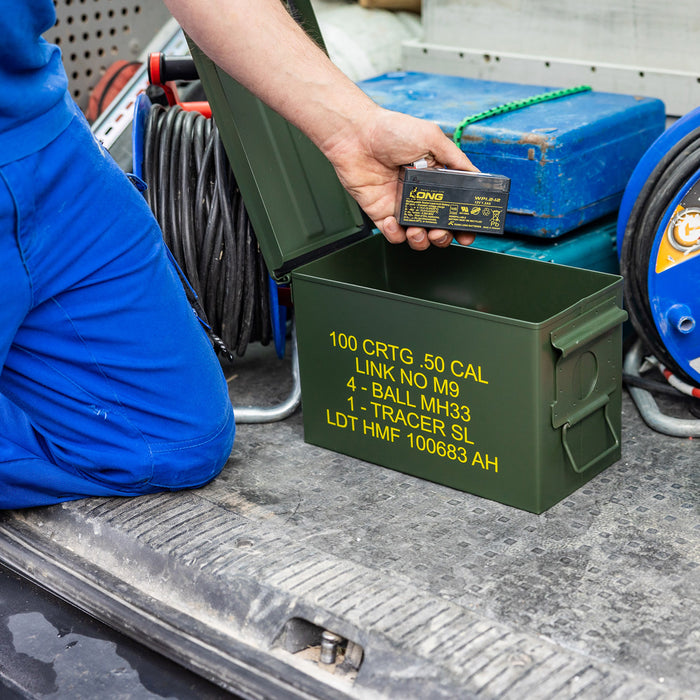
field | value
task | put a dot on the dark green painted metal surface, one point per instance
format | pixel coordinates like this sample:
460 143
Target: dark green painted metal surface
296 204
488 373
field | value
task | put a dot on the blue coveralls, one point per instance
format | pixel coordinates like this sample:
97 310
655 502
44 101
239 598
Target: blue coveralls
108 384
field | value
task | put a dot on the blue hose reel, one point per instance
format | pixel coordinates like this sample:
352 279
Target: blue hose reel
658 239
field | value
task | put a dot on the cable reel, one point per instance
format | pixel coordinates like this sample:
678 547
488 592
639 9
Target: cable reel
194 196
659 248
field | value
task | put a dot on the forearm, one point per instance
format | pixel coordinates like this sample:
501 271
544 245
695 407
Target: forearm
262 47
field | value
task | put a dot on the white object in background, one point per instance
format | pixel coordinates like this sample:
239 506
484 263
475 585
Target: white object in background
362 42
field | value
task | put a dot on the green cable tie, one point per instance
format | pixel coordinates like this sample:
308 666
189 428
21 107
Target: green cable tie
516 104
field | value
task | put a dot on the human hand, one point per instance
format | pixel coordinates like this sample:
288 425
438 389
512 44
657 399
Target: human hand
368 160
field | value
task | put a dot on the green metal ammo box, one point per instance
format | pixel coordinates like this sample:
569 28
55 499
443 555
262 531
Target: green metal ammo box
497 375
485 372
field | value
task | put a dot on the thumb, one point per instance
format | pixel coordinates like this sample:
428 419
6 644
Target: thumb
451 156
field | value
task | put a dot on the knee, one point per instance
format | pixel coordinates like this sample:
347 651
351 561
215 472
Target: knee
195 462
137 466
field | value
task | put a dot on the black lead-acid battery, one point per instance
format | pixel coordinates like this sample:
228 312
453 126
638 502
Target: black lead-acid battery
455 200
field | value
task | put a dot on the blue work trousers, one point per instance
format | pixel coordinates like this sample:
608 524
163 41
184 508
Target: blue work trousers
108 383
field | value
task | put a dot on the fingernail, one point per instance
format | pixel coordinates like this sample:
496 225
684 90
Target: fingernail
419 237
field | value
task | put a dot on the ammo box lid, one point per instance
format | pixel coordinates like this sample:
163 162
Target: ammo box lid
296 204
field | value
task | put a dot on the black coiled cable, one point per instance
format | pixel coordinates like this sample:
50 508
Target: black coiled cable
657 194
194 196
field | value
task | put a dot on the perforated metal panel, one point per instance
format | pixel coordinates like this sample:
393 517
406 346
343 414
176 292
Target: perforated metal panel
93 34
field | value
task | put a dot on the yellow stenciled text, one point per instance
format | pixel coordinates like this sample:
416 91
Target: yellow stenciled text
410 398
469 371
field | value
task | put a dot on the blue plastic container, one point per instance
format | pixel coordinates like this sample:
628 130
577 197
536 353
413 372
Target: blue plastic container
569 159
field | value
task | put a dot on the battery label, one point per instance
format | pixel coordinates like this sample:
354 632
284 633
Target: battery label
451 199
474 212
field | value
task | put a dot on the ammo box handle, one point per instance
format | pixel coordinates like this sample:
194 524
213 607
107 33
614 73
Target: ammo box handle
577 333
587 336
603 402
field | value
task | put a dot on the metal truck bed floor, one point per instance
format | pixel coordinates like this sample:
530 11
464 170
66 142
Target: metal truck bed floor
449 595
